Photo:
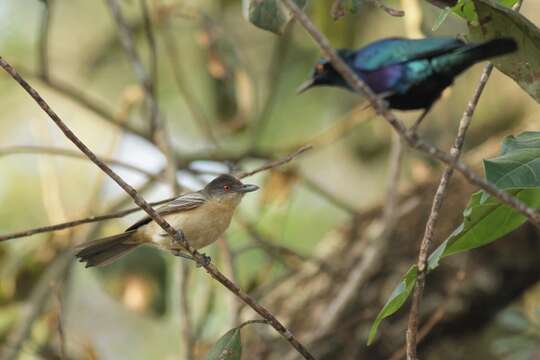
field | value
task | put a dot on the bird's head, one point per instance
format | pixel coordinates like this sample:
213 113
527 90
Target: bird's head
227 188
324 74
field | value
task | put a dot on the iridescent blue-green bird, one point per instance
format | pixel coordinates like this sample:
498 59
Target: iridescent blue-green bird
409 74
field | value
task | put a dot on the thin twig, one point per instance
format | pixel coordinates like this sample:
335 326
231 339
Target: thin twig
276 163
123 213
33 149
337 10
436 317
390 11
425 245
438 199
411 138
174 234
69 224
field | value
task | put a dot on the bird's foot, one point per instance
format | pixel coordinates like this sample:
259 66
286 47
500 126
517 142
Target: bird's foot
181 253
206 260
180 241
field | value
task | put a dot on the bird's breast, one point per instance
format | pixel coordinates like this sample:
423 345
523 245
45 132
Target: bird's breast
201 226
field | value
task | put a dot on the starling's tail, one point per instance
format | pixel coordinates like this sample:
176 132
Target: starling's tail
459 60
106 250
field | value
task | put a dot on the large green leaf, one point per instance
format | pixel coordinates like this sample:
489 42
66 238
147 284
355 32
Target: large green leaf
228 347
465 8
499 21
269 15
485 219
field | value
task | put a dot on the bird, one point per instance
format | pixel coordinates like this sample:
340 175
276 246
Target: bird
202 216
409 74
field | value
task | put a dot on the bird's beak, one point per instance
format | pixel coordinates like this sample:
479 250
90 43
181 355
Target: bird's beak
248 188
305 85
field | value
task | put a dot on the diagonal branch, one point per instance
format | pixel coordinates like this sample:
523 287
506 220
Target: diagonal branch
174 234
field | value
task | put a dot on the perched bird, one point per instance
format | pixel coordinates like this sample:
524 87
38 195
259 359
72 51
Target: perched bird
203 216
409 74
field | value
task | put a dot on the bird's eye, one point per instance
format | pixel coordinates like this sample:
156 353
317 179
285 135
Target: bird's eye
226 188
319 68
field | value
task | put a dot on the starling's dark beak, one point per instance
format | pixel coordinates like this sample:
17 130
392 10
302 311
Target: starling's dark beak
305 85
248 188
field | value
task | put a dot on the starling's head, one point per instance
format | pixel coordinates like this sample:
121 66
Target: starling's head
227 187
324 74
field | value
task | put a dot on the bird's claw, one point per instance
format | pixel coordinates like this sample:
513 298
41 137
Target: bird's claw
179 242
180 253
206 260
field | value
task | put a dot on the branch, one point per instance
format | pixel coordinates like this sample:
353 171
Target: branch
409 137
174 234
32 149
276 163
438 199
390 11
123 213
425 245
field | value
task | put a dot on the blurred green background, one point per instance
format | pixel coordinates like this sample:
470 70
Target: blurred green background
243 80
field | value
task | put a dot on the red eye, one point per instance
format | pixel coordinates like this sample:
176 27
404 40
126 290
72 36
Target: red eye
319 68
226 188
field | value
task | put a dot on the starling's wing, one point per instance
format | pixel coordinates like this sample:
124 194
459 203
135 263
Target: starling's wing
184 202
394 51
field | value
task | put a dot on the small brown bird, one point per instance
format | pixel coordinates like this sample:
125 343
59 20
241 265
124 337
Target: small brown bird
203 216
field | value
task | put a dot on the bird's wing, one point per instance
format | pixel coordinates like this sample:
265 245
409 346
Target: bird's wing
184 202
393 51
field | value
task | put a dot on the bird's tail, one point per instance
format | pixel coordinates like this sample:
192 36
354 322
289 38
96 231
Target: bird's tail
106 250
459 60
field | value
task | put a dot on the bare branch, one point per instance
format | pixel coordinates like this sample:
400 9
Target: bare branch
276 163
32 149
438 199
123 213
174 234
390 11
455 152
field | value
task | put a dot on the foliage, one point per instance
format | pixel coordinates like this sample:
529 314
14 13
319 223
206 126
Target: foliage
228 347
270 15
497 21
516 169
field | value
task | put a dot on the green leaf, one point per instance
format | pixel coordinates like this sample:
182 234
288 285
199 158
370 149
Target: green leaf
465 8
228 347
270 15
485 219
395 301
498 21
